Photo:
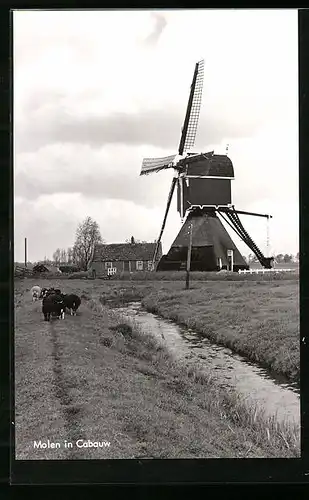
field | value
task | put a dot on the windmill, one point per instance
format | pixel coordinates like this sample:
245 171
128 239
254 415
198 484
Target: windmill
203 198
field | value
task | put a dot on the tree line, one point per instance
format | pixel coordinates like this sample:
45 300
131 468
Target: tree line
280 258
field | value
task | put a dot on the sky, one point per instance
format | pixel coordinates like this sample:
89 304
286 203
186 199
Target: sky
97 91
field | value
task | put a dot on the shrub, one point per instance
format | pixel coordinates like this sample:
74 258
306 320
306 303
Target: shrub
79 275
124 328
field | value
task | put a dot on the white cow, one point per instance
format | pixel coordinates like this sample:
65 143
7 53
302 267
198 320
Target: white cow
35 292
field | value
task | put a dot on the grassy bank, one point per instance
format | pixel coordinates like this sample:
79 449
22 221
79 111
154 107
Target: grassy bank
97 377
258 320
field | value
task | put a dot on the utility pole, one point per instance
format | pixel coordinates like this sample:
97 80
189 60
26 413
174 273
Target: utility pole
25 252
189 255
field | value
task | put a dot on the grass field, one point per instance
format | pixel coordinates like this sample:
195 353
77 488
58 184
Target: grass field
257 319
88 377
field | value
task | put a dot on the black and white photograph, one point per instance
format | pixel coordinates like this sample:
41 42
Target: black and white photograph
156 234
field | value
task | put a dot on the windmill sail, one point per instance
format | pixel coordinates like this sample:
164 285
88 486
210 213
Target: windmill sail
187 139
156 164
193 110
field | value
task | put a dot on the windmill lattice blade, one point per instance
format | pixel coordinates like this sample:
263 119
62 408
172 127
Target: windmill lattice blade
195 109
156 164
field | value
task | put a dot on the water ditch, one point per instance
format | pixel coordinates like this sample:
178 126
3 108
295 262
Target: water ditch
276 396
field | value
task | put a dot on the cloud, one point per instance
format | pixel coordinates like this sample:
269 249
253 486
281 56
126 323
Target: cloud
48 121
111 172
260 163
89 104
160 23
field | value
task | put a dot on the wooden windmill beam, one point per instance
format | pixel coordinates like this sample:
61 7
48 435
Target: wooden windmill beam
189 255
227 209
169 199
236 224
253 213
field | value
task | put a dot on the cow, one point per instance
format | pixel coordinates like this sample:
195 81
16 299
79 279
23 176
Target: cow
48 291
71 302
53 304
35 292
43 292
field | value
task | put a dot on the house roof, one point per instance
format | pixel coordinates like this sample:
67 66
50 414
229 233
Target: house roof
45 268
125 251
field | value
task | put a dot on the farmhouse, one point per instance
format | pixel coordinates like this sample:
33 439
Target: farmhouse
123 257
45 269
35 270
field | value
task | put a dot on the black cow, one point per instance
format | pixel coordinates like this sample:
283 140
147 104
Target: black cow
71 302
48 291
43 292
52 304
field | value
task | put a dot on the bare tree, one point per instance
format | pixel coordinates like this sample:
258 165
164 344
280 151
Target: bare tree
63 255
131 240
87 235
287 258
56 256
70 255
252 258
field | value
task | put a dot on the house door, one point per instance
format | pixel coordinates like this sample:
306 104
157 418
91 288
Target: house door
230 260
126 265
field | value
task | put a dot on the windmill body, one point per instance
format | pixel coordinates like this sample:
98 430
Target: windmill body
212 246
204 181
203 197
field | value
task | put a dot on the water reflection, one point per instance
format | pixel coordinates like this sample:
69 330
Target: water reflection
276 396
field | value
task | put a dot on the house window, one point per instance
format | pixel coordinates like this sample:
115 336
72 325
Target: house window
108 264
139 265
150 265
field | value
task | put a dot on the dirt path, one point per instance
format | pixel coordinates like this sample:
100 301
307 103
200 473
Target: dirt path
55 365
44 408
38 410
